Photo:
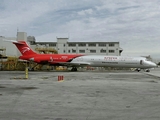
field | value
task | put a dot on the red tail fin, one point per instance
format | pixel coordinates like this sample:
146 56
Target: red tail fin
24 48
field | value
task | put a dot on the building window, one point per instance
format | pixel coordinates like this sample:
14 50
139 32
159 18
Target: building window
64 45
102 44
92 44
111 45
43 44
103 51
73 51
81 51
82 44
111 51
69 51
72 44
64 51
92 51
32 42
52 44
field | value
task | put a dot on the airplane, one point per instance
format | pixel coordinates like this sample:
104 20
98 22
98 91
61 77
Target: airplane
79 60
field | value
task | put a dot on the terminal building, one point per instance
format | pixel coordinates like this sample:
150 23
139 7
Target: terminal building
62 46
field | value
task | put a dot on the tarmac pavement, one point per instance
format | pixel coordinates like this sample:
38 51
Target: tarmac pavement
90 95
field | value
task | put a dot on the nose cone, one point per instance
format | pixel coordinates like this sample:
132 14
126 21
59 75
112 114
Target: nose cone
152 64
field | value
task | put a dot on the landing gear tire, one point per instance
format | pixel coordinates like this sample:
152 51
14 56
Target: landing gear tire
74 69
138 70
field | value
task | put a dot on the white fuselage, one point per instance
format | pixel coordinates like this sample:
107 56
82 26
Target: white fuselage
115 61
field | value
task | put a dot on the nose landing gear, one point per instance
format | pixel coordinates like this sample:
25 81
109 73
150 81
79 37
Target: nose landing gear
147 70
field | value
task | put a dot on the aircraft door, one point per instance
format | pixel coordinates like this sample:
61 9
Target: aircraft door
141 62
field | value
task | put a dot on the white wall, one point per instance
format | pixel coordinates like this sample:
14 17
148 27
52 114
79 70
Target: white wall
62 45
11 49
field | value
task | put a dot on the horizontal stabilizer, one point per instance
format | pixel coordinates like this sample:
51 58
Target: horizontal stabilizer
14 41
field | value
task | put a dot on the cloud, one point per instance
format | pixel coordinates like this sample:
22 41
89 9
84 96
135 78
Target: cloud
85 12
135 24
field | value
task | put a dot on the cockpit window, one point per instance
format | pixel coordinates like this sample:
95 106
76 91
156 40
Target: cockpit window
147 59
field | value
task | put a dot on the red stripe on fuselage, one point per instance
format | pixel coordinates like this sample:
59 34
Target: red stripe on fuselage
51 58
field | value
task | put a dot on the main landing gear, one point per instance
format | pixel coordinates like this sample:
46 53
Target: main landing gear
74 69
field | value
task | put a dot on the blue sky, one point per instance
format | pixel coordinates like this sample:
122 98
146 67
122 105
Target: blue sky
133 23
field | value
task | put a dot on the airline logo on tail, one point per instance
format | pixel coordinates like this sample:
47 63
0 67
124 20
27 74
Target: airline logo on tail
25 49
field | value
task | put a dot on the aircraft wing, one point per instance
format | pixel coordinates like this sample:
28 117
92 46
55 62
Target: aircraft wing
73 63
